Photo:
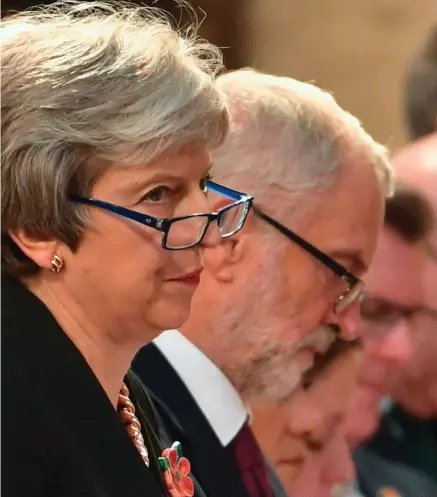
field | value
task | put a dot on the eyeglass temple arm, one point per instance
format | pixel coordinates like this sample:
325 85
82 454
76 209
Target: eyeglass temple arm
145 219
333 265
225 191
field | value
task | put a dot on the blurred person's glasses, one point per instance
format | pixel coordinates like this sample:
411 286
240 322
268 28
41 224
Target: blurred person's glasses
383 315
184 232
355 285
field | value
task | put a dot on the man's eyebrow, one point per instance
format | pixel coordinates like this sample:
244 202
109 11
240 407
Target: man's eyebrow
353 257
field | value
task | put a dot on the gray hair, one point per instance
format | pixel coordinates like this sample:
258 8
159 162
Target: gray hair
290 135
85 84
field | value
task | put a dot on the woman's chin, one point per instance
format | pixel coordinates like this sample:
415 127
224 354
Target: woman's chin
169 311
174 316
362 428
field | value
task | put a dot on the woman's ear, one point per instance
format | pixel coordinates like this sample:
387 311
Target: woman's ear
40 251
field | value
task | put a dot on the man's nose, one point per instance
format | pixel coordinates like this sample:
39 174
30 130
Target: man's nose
348 321
395 349
338 466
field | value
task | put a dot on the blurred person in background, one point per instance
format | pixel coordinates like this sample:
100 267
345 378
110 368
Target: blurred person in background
405 441
393 286
108 120
285 288
421 89
400 314
303 437
393 299
403 451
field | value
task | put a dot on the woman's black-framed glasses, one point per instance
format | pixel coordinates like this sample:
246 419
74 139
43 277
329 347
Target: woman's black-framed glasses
179 233
355 285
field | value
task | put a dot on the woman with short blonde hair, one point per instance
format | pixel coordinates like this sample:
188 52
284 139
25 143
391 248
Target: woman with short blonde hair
108 119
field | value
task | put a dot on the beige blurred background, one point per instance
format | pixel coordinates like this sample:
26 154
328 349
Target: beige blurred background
358 49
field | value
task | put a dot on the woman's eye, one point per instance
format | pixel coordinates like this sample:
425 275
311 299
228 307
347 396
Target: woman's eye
158 194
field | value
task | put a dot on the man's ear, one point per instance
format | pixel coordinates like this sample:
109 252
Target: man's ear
224 260
40 251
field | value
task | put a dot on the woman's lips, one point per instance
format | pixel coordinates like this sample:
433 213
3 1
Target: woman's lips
289 467
291 461
191 278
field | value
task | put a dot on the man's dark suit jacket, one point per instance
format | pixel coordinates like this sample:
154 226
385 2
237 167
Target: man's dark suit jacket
61 437
212 465
402 455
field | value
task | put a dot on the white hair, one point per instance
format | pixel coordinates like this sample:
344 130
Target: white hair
87 83
291 135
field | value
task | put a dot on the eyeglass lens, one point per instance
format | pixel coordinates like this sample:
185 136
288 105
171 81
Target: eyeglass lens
231 219
189 231
348 298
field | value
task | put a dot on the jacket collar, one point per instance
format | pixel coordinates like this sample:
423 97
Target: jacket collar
211 463
81 410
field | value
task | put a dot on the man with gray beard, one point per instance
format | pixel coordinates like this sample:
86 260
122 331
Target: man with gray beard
275 295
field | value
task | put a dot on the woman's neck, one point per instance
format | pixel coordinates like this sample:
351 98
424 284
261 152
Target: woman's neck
108 359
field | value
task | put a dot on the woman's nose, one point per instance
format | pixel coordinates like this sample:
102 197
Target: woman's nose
338 466
200 204
306 422
212 236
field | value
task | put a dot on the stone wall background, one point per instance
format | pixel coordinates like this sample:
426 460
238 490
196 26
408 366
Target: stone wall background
358 49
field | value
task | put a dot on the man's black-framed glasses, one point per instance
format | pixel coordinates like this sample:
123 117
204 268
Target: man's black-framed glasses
184 232
355 285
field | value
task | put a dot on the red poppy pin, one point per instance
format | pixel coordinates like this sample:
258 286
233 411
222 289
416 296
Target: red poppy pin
176 470
388 492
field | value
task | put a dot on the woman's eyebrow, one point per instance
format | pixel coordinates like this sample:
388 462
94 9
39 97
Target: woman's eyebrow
137 185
